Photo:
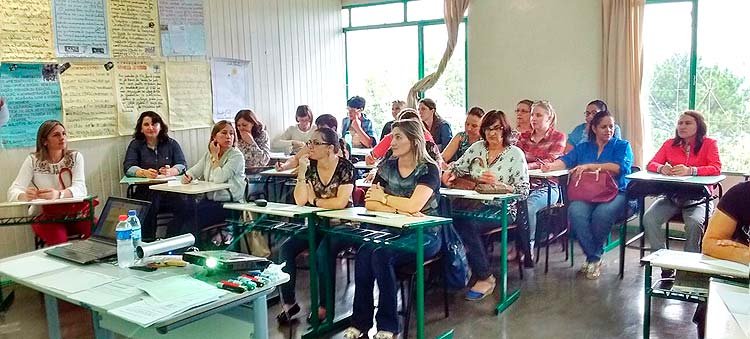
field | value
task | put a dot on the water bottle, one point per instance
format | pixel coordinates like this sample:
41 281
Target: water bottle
348 139
125 249
135 226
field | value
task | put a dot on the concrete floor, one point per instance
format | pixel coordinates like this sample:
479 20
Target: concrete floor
560 304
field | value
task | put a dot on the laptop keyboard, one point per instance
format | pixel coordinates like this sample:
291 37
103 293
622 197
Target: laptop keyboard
93 248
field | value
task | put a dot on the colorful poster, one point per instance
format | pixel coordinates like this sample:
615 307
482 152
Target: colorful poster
80 28
181 25
133 26
32 95
141 86
189 90
230 80
88 97
26 30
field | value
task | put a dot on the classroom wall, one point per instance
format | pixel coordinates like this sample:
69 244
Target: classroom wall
536 49
296 53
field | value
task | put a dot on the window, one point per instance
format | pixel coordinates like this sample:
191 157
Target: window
721 89
389 47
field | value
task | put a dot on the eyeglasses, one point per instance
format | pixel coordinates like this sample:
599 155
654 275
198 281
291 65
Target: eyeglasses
522 111
316 143
587 113
497 128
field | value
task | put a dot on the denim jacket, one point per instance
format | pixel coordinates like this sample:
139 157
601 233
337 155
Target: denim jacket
366 126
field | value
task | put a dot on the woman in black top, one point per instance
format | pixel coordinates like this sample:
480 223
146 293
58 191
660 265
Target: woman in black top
326 180
152 153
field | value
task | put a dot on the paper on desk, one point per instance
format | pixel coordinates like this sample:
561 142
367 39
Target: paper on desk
739 305
74 281
149 311
175 287
110 293
734 266
29 266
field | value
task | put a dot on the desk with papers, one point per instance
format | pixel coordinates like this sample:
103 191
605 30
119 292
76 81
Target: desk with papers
134 303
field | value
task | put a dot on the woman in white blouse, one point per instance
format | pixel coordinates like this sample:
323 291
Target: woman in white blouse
52 172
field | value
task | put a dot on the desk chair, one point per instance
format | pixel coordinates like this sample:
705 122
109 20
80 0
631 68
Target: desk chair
408 273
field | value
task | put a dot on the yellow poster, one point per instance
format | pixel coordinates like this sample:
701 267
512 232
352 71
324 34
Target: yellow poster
134 28
26 30
189 88
88 97
141 86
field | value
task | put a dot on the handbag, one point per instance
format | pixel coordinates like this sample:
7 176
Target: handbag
455 265
464 182
492 189
70 210
593 186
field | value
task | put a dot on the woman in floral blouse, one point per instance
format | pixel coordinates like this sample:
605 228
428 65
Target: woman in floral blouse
252 139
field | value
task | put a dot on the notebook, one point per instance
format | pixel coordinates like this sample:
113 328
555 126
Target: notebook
102 243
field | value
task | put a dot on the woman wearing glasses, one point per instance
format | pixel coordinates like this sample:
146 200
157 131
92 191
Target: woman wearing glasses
493 161
326 180
579 134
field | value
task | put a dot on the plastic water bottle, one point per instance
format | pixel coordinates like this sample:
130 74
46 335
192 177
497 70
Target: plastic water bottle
135 226
125 249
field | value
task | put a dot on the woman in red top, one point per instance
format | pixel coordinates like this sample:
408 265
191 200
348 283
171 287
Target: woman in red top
689 153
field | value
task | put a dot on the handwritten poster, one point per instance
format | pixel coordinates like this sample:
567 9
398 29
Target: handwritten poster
230 80
140 87
80 28
133 26
26 30
181 25
189 89
32 93
88 97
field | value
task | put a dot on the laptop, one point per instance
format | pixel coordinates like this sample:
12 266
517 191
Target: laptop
102 244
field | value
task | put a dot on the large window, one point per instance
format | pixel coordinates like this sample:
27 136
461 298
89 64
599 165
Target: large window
695 58
390 46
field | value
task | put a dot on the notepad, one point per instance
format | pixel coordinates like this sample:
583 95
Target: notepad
30 266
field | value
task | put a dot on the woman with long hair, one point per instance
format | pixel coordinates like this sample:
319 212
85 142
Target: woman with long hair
439 128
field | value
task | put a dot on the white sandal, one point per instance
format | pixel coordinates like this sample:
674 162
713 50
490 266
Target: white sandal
353 333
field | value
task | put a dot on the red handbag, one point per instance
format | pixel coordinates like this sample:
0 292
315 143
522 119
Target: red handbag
592 186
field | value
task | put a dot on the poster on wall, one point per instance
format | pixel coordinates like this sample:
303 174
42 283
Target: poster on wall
140 86
189 91
133 26
181 27
230 80
88 97
31 94
80 28
26 31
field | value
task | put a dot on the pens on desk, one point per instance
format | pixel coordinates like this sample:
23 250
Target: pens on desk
367 215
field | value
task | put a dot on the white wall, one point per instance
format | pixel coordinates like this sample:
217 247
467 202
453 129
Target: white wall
536 49
296 51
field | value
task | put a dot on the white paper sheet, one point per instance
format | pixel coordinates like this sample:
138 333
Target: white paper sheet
110 293
30 266
175 287
739 305
735 266
74 281
148 311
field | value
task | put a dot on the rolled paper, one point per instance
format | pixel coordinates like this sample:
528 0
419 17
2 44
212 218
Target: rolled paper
164 245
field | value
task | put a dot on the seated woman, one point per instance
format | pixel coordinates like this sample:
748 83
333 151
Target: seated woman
580 133
326 180
689 153
493 161
357 124
523 116
438 128
152 153
396 107
295 137
406 183
728 233
252 139
462 140
52 172
323 121
592 222
542 144
222 164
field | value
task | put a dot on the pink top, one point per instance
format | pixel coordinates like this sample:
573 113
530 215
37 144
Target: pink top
706 161
382 147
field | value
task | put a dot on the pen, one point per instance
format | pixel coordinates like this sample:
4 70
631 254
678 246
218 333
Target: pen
367 215
539 160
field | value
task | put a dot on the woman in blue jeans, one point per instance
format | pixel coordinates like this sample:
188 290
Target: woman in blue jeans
592 222
326 180
406 183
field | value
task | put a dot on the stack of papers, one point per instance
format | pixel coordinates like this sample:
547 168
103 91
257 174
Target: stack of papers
73 281
30 266
110 293
175 287
149 311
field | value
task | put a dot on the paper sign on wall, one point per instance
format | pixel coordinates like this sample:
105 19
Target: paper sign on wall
140 87
230 80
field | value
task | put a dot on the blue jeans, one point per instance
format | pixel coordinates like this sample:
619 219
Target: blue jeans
536 201
592 222
470 231
293 247
376 263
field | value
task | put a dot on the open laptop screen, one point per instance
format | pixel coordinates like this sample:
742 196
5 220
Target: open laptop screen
115 207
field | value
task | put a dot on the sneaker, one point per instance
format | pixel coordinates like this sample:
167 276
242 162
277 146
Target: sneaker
384 335
353 333
594 271
584 268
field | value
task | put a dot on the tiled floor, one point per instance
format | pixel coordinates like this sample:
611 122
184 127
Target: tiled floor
559 304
